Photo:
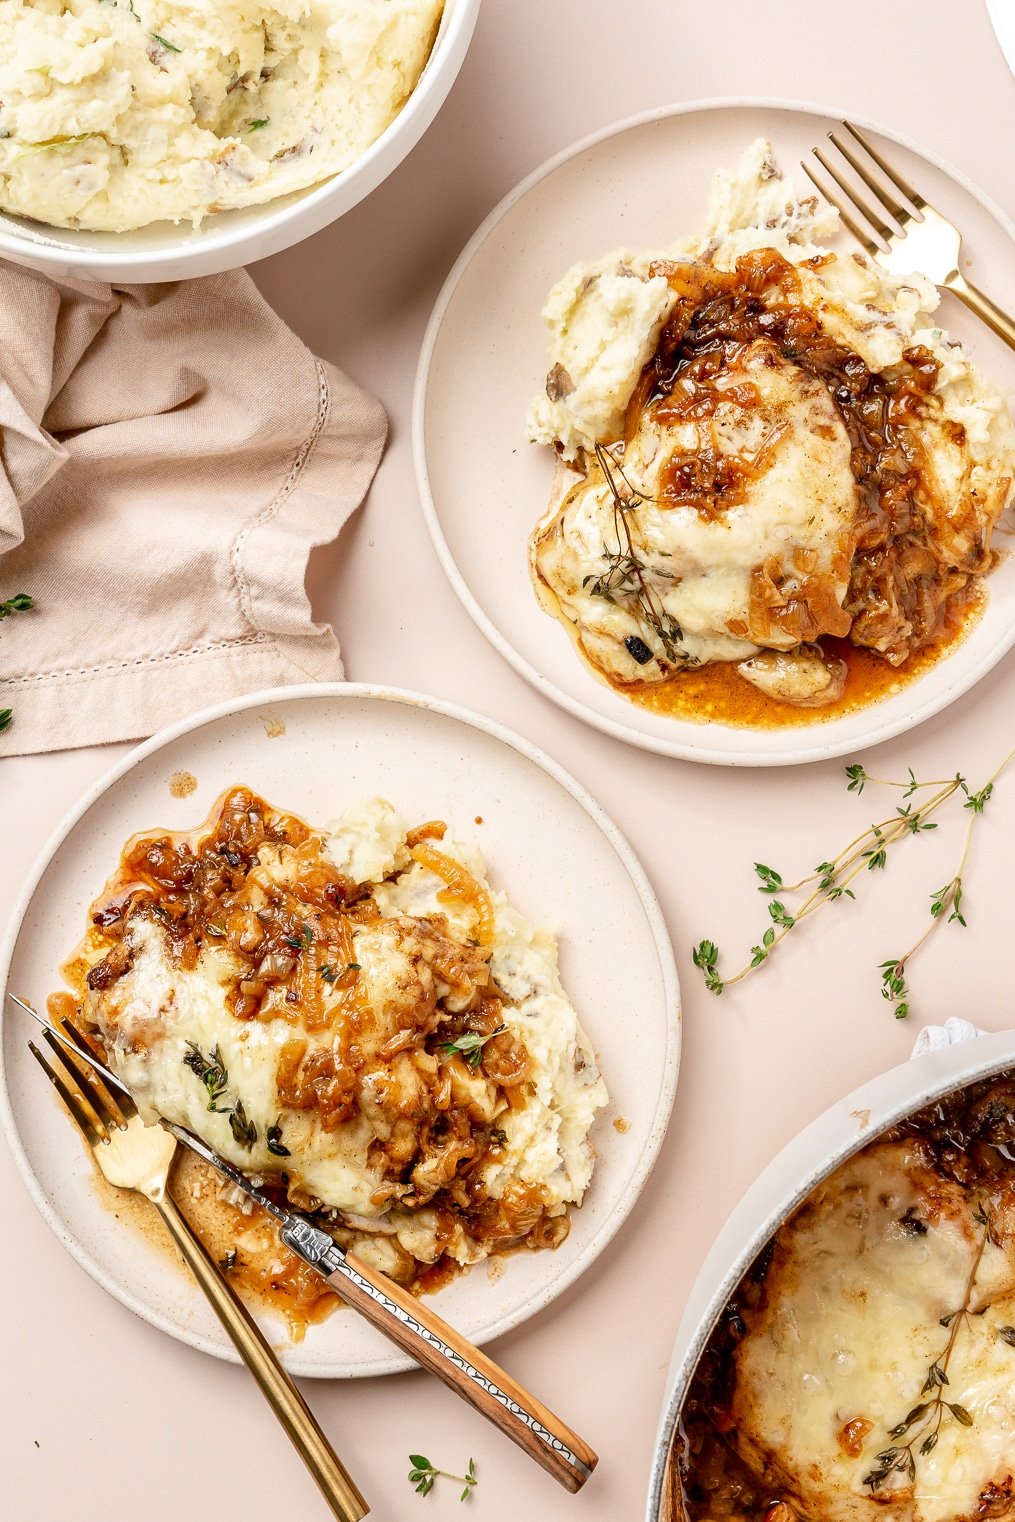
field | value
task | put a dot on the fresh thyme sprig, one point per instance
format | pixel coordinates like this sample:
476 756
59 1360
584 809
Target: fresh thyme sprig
624 577
423 1474
214 1075
470 1046
868 852
928 1415
19 603
945 903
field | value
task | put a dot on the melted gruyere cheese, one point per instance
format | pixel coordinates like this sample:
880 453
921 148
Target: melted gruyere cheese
838 1353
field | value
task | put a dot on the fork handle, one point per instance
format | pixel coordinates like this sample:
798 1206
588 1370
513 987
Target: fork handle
285 1400
988 311
420 1332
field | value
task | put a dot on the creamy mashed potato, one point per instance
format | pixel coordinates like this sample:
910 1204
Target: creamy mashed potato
118 113
762 443
299 1007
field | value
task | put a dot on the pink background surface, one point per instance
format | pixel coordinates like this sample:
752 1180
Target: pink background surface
169 1433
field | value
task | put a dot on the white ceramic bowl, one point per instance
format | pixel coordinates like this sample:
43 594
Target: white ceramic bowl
786 1183
164 251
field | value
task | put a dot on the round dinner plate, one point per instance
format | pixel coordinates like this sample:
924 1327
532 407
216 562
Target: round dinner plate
547 843
483 487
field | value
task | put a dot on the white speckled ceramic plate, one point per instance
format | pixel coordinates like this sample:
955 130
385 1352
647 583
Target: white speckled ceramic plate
644 182
313 750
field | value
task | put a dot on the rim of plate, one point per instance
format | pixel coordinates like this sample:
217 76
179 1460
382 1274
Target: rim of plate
291 1358
710 754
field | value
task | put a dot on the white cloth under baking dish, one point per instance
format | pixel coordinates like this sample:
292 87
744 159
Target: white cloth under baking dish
933 1037
170 456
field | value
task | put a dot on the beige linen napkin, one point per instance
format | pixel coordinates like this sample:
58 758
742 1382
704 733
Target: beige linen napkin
170 456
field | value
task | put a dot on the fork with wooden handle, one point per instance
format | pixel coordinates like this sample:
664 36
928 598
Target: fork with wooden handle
417 1329
134 1156
905 238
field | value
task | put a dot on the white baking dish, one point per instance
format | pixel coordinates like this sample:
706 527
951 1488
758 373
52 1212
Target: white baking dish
785 1184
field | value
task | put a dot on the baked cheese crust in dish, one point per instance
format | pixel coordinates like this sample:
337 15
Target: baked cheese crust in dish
773 464
118 113
353 1017
864 1367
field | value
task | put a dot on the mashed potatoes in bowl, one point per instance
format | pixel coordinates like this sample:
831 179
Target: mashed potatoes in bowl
352 1016
119 113
284 122
775 470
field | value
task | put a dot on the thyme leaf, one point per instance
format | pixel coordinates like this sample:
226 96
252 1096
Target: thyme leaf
331 974
978 801
857 778
470 1046
423 1474
19 603
893 985
244 1131
705 956
771 882
214 1075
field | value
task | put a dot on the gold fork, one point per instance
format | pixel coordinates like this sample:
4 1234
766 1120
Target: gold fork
907 238
134 1156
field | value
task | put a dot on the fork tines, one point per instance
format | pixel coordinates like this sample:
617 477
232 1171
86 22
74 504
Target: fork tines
92 1095
886 215
79 1096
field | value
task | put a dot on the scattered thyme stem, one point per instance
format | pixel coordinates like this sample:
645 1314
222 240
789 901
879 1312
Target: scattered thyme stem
896 823
952 895
852 862
866 852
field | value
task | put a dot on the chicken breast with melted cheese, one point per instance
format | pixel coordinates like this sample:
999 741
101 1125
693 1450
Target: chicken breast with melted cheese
763 444
741 534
